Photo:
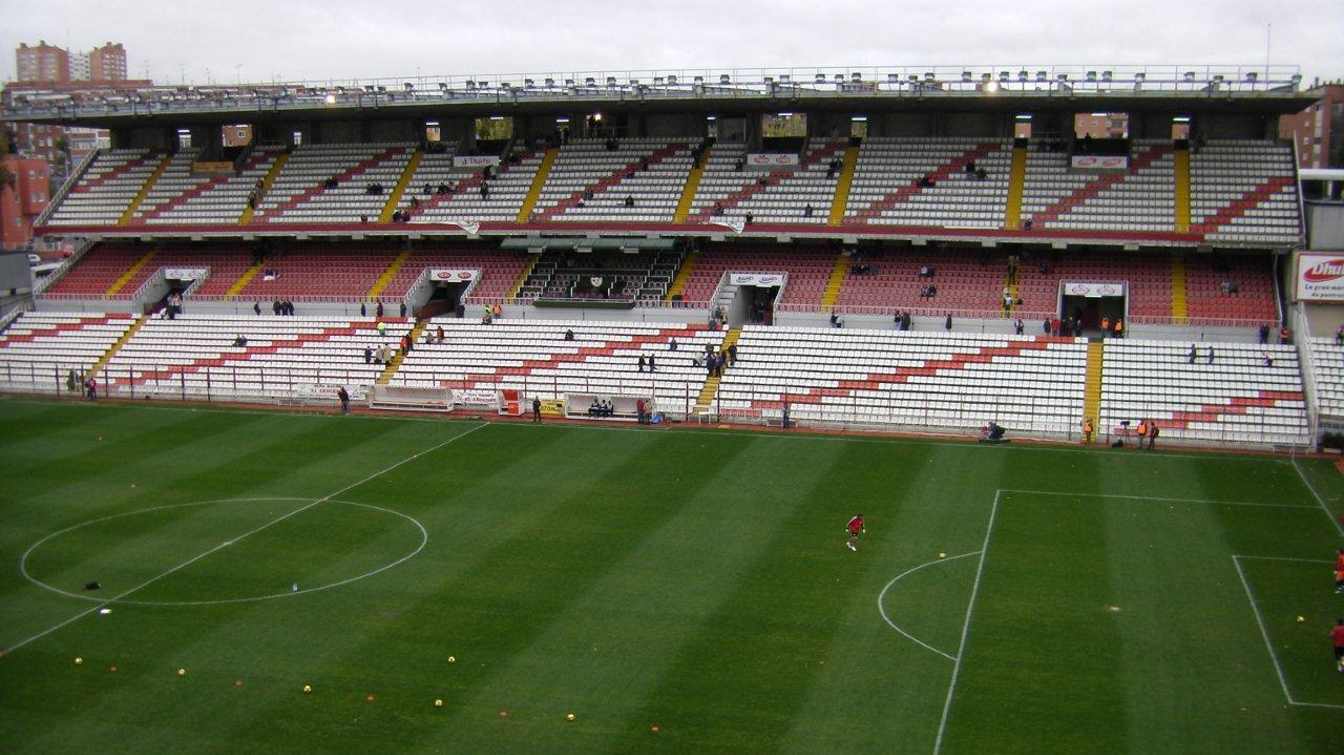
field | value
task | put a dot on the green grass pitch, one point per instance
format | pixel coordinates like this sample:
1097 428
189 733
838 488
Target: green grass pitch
1109 601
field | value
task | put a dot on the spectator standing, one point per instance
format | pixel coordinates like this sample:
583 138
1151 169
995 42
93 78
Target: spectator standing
947 324
378 310
256 308
344 397
536 409
1152 435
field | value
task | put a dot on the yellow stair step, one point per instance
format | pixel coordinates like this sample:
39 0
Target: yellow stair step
522 277
266 183
836 281
126 216
244 279
1096 353
1180 306
394 199
683 276
1182 170
395 364
387 275
126 277
114 348
1017 181
842 186
689 190
538 181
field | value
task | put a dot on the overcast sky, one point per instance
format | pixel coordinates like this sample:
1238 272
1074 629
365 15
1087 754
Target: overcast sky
341 39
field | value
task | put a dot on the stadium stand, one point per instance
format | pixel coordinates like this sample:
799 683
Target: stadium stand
808 271
130 266
533 355
181 197
1244 191
1140 198
106 189
1231 287
888 190
1148 278
967 282
506 190
782 195
302 194
1327 361
1234 398
302 356
592 179
39 349
642 277
918 380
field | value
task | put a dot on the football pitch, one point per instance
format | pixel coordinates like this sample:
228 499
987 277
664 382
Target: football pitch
273 582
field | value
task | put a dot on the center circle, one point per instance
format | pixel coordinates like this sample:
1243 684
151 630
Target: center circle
223 544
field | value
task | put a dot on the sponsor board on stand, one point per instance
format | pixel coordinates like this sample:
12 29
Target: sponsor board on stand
452 276
772 159
475 161
1099 162
1093 290
1320 276
756 279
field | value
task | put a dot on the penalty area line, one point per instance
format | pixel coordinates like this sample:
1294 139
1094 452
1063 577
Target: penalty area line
233 540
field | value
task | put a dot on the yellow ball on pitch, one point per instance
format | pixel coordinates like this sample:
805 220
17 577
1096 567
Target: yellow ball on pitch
569 716
307 689
942 555
438 702
452 659
1300 619
78 661
181 672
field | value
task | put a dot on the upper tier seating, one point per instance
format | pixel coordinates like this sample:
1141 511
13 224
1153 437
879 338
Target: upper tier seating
1236 399
302 356
968 283
1139 199
533 355
1327 361
507 190
808 270
652 171
886 191
778 195
924 380
179 197
106 188
299 193
39 349
1245 191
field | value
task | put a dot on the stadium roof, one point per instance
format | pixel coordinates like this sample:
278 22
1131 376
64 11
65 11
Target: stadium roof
1189 89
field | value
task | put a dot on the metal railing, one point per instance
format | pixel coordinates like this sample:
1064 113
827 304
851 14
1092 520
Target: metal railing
1096 80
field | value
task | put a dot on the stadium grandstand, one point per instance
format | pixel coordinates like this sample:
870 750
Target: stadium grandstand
921 249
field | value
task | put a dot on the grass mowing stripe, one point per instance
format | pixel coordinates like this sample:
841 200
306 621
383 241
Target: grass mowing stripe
966 626
226 543
1264 633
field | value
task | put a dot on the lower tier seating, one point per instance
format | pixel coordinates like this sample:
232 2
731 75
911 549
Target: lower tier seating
283 356
533 355
1327 361
38 351
1233 396
908 380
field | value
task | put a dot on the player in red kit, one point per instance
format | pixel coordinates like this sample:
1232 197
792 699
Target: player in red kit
1337 635
855 529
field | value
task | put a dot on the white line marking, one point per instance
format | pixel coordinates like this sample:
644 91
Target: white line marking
1338 527
882 610
1285 558
253 531
23 561
1264 633
966 626
1159 499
